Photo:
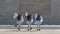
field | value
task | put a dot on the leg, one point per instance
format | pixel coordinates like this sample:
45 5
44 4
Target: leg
19 26
36 22
39 28
28 28
29 25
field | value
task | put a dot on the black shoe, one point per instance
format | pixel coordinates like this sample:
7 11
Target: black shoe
18 29
39 29
30 28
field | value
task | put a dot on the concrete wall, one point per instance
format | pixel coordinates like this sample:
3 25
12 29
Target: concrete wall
55 11
49 9
7 9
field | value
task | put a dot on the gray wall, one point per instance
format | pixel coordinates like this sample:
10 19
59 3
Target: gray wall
49 9
7 9
55 11
44 6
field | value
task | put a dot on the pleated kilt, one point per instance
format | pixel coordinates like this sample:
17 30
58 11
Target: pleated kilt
28 22
37 22
19 22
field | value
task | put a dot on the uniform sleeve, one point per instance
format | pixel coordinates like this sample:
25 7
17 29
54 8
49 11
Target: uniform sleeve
41 19
15 15
22 18
32 20
35 16
26 14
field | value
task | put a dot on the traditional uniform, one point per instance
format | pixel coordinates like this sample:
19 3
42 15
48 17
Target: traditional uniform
38 20
29 20
19 19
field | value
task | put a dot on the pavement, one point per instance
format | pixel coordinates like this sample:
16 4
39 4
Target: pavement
44 30
34 31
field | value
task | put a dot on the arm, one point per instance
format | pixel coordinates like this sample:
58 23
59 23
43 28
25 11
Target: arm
41 19
22 19
26 14
35 16
32 20
15 15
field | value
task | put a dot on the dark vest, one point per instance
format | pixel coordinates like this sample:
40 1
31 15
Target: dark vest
38 17
29 17
19 17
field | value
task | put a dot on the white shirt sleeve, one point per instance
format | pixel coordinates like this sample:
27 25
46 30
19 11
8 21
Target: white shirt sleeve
26 14
41 19
15 15
32 20
35 16
22 19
